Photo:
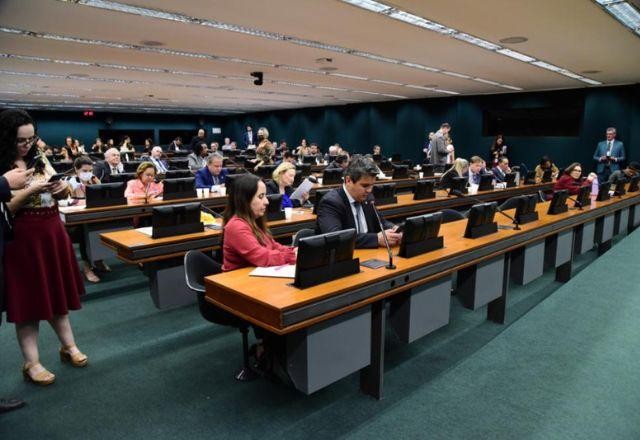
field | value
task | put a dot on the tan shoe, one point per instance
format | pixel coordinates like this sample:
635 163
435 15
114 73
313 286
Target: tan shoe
77 359
43 378
91 276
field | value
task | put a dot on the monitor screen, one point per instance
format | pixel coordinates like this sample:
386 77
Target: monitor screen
480 220
305 168
319 194
546 176
603 192
309 159
105 194
526 209
176 220
321 250
384 193
421 227
427 170
458 184
183 188
332 177
633 184
510 179
558 203
486 182
424 190
400 171
584 197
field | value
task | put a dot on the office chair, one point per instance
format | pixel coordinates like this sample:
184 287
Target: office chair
302 233
196 266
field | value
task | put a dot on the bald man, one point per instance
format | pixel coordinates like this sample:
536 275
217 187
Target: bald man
156 159
111 165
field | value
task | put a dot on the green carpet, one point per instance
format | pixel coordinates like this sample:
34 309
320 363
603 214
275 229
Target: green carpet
561 368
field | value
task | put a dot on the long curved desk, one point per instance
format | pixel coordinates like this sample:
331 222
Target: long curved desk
337 328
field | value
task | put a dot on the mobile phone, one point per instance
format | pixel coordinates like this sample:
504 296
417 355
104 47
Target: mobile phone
56 177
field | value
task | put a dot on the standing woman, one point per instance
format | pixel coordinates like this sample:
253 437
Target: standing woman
265 150
42 277
498 150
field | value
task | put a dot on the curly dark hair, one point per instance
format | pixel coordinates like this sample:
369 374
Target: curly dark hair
10 121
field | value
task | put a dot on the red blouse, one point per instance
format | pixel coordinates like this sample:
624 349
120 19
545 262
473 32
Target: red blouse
569 183
241 248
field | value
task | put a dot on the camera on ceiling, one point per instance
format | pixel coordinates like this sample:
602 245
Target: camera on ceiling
258 78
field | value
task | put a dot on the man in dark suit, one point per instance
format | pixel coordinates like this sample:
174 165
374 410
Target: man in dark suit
14 179
213 173
249 137
439 148
501 170
111 164
351 207
197 140
608 155
176 144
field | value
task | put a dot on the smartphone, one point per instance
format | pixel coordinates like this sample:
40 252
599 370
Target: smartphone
56 177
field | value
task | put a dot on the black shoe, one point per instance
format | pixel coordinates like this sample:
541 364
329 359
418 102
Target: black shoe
7 405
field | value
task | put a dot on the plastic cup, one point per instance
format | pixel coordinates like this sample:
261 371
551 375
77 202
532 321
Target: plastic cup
421 174
288 213
199 192
205 192
319 180
215 188
222 191
473 189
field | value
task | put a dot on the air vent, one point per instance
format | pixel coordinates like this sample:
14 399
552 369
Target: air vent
328 69
514 40
591 72
151 43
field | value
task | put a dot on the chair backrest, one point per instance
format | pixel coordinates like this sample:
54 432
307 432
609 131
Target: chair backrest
451 215
511 203
197 266
302 233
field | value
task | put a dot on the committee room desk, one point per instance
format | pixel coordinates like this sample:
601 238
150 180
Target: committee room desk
162 257
337 328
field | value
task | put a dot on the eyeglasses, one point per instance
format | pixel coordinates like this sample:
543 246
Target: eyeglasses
576 170
23 141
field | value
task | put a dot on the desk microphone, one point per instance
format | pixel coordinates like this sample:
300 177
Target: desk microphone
390 265
458 193
577 203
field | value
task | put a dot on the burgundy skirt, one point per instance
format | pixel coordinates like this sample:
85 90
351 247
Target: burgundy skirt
42 276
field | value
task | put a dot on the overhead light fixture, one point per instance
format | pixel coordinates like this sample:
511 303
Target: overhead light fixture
344 75
391 83
623 11
476 41
516 55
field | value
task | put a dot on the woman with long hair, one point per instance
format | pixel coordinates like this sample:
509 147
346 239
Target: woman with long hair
498 150
247 240
459 168
42 276
571 179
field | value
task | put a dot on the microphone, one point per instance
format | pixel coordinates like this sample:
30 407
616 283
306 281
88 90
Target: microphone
578 204
312 179
458 193
390 265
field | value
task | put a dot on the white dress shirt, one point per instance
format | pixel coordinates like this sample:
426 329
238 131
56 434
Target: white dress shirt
357 212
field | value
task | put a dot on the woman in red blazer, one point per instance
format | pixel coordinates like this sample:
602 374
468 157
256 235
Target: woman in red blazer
247 240
571 181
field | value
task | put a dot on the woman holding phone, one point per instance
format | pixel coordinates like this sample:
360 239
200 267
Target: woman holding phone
42 277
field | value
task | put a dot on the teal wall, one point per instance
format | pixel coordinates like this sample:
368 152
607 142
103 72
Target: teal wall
401 126
55 126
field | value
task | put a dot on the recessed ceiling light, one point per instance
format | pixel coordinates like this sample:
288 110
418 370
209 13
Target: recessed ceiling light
432 86
151 43
514 40
591 72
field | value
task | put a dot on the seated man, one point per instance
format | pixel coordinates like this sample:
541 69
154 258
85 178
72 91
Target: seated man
476 169
287 157
502 169
546 164
213 173
156 159
633 169
349 207
111 164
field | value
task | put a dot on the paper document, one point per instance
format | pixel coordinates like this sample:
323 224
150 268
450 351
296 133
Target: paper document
146 231
305 187
284 271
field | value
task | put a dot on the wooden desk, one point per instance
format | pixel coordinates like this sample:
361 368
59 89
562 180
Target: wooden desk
320 317
163 257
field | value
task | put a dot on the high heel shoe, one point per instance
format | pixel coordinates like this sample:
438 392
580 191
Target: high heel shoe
43 378
77 359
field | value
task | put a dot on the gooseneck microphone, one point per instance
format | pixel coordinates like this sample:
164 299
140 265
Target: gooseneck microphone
390 265
457 193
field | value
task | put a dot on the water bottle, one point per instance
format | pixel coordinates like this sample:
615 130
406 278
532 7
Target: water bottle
595 188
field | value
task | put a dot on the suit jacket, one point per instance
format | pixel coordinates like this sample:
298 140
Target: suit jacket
5 234
196 162
498 174
617 151
438 148
102 170
155 164
334 214
195 141
245 139
204 179
274 188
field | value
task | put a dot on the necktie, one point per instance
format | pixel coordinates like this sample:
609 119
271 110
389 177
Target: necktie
114 170
356 205
215 180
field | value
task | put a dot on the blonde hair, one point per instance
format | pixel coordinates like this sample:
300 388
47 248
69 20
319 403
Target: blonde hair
281 169
144 166
263 132
458 165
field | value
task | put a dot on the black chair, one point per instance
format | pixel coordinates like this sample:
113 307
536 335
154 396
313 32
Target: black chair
197 266
511 203
451 215
302 233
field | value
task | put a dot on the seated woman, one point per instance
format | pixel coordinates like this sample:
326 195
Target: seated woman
143 189
459 169
283 177
571 179
545 164
198 159
83 177
246 237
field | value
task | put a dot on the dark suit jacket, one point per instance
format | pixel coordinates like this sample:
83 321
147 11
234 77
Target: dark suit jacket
102 171
195 141
5 233
498 174
617 151
204 179
334 214
245 139
273 188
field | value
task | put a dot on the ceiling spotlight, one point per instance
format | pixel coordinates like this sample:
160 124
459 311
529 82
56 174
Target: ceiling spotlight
258 78
514 40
